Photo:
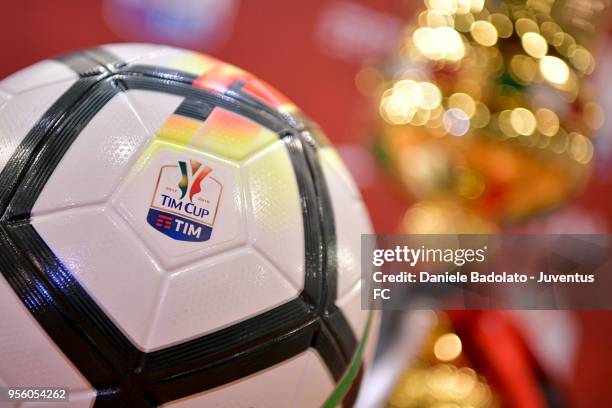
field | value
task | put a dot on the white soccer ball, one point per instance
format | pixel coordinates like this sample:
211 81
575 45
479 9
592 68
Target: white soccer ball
174 233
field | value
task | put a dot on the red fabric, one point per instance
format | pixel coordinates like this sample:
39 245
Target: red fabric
496 350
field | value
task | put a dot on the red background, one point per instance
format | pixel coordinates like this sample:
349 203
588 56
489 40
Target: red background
276 40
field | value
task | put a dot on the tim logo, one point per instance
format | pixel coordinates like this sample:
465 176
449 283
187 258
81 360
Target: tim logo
185 201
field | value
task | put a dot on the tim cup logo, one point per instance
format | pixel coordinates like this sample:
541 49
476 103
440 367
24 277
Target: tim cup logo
185 201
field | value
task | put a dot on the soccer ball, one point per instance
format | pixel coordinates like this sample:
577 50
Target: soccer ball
173 232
